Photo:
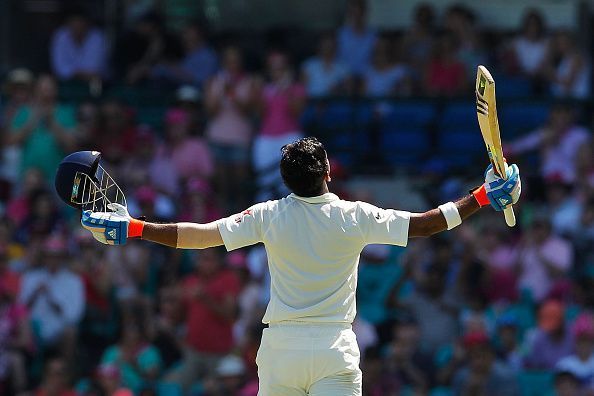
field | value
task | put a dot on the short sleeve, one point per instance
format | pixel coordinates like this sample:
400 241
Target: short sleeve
386 226
243 229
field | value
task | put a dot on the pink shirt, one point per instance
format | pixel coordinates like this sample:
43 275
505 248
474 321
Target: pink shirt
192 158
535 276
278 119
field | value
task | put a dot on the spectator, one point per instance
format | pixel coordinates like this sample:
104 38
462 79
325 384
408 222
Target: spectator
17 88
567 384
56 380
418 41
10 281
228 101
377 381
565 208
55 297
528 49
78 50
324 74
558 141
110 381
210 296
45 129
543 260
281 101
117 133
460 22
484 374
15 342
383 77
445 74
229 380
198 64
581 362
509 351
355 39
551 341
189 154
145 46
168 327
567 69
138 361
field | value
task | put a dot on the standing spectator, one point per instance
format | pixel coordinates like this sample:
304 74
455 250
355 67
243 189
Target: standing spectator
558 141
383 77
281 101
56 380
45 129
355 39
528 50
551 341
211 309
568 70
55 297
198 64
445 74
78 50
484 374
543 260
324 74
138 361
228 100
581 362
418 40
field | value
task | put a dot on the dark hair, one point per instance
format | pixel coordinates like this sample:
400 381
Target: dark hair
303 166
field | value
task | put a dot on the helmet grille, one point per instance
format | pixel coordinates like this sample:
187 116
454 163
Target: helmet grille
96 193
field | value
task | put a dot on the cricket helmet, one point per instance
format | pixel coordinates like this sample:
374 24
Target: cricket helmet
83 183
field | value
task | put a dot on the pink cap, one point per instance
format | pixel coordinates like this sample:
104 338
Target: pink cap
584 325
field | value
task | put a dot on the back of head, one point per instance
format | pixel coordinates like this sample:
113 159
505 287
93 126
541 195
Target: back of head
304 166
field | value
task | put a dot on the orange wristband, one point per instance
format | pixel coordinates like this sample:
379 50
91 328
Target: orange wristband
135 228
480 194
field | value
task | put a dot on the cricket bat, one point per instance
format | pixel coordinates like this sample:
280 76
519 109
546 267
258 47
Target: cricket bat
486 111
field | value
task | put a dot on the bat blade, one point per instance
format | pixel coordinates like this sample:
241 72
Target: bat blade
486 111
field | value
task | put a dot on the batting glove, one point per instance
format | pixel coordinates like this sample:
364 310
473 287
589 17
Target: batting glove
502 193
109 228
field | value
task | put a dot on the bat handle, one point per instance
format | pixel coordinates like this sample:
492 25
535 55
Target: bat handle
510 217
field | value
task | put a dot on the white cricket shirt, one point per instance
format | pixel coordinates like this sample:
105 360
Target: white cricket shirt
313 246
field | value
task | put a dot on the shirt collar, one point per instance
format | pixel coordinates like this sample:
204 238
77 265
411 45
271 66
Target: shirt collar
328 197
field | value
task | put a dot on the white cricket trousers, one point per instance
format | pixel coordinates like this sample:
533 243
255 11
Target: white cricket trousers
309 359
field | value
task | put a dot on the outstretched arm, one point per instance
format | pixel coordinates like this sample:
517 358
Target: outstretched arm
434 221
182 235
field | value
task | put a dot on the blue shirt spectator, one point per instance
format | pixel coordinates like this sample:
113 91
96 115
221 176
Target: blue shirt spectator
355 39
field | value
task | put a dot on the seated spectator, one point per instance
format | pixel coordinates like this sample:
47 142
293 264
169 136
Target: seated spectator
565 207
508 350
43 217
16 342
567 69
551 341
355 38
528 50
280 102
446 74
484 374
567 384
377 381
18 89
55 298
56 380
460 22
78 50
10 281
117 133
583 241
210 295
189 154
229 101
543 259
383 77
324 74
137 360
146 45
558 141
168 326
198 64
45 129
229 380
581 362
419 38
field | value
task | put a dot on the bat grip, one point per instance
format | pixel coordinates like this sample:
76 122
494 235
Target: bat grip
510 217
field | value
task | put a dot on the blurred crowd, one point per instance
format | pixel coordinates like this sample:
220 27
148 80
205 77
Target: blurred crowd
483 310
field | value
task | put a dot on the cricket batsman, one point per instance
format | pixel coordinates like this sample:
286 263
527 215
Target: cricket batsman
313 240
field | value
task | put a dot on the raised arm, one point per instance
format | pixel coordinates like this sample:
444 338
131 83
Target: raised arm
495 191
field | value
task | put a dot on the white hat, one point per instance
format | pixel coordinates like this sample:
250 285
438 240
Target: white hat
230 366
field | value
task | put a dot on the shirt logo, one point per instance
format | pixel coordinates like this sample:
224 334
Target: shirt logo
377 216
239 218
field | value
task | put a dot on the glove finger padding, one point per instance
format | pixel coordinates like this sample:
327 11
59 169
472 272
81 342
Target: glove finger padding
119 209
106 227
502 193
